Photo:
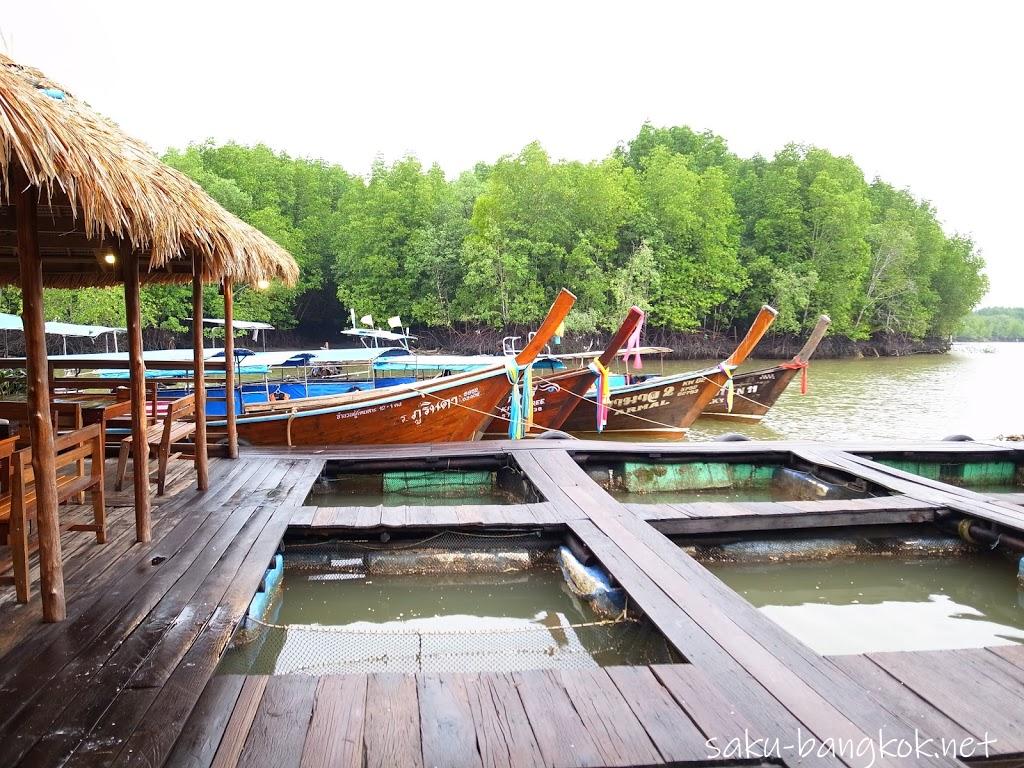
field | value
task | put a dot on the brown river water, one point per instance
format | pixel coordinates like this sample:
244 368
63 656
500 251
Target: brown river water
972 390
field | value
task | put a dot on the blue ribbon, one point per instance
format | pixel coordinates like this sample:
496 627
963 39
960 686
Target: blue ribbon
515 402
520 401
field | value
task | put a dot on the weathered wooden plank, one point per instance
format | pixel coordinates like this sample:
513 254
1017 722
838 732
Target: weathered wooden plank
655 511
393 517
368 517
608 718
994 667
278 731
472 514
561 734
203 732
898 698
335 737
158 730
93 604
321 517
392 731
102 743
504 737
803 520
124 642
302 516
446 722
304 480
976 702
1014 654
236 732
719 714
665 722
145 660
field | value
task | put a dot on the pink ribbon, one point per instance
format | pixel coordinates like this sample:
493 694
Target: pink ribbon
633 345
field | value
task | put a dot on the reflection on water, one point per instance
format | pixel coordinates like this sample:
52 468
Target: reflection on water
864 605
457 622
920 397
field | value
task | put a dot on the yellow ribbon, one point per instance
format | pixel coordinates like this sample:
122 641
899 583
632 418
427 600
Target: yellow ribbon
729 386
604 393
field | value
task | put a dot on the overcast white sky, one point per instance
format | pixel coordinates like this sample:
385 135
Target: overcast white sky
925 94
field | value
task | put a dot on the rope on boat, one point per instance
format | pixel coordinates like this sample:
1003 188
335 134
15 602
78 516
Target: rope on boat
609 407
642 418
668 427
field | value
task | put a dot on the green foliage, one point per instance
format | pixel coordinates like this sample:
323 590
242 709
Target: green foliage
993 324
672 221
694 229
298 203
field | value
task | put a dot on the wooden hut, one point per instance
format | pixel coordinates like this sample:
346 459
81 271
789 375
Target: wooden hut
83 204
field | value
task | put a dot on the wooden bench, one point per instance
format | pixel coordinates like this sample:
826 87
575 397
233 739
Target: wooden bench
18 507
160 438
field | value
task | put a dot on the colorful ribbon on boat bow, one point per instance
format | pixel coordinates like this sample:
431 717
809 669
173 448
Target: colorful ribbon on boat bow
559 333
604 393
527 396
730 385
802 366
633 345
520 401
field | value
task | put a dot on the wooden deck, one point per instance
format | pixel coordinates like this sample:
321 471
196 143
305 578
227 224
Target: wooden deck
129 678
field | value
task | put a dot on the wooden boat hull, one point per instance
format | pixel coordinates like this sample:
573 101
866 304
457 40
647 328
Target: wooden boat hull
755 393
445 409
554 398
430 413
663 404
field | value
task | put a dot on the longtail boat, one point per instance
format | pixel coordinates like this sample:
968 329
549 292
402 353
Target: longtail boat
756 391
446 408
664 405
555 397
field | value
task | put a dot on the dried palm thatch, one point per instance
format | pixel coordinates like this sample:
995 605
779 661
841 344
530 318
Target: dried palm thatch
114 192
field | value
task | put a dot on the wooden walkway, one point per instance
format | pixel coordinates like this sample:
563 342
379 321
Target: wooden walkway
129 678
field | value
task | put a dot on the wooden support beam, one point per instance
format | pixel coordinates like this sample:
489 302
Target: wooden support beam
229 371
137 391
51 569
202 470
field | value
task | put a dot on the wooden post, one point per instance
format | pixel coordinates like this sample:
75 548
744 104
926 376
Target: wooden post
200 372
137 393
229 371
51 568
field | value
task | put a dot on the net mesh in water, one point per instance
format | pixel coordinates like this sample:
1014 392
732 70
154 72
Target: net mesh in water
494 564
319 650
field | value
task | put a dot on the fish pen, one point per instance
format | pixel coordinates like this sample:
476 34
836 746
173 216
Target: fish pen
492 481
994 473
875 589
448 601
654 480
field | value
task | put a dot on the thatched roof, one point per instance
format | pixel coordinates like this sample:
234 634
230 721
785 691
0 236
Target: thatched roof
100 190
